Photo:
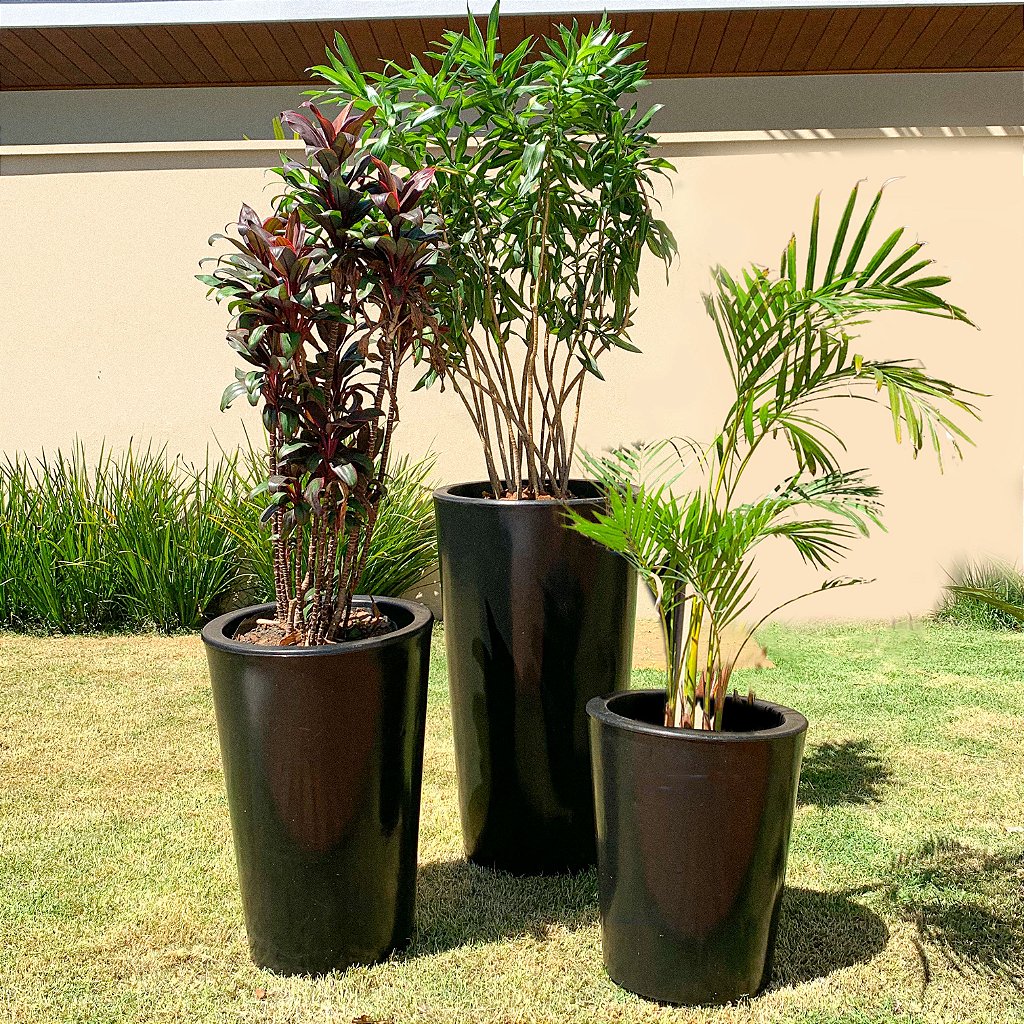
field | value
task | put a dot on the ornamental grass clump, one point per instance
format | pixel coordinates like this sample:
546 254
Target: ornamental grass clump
545 189
788 341
330 296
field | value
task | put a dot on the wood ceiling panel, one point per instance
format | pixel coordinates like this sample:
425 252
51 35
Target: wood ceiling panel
687 29
209 66
733 40
814 27
62 48
840 24
118 70
389 42
692 43
663 27
15 73
879 41
312 40
265 44
129 56
151 54
295 53
962 25
212 39
761 32
786 31
989 26
917 21
59 71
166 43
1013 54
361 43
990 53
709 38
865 22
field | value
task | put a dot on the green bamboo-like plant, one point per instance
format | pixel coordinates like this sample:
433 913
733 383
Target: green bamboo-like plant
545 183
787 341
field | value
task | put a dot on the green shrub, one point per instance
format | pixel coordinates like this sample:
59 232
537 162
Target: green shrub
989 594
142 540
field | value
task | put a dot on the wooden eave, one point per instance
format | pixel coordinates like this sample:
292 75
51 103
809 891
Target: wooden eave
718 41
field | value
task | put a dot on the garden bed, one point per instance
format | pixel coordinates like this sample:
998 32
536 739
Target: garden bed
119 900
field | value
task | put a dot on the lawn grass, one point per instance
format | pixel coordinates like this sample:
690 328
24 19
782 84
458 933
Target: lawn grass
118 897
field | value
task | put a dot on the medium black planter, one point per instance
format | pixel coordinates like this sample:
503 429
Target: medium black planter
323 763
693 831
538 620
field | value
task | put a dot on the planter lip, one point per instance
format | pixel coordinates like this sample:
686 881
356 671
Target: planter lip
445 494
793 722
216 632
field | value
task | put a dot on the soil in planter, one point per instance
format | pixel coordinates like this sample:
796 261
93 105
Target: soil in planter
362 624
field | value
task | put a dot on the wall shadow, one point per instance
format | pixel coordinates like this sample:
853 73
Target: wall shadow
847 772
460 904
823 932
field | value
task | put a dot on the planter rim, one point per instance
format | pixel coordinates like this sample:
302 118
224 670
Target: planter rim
445 494
216 631
793 722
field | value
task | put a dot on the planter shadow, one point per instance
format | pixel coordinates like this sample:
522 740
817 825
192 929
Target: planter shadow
459 903
821 933
847 772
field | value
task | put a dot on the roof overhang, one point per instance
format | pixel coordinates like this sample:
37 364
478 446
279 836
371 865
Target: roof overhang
94 13
98 44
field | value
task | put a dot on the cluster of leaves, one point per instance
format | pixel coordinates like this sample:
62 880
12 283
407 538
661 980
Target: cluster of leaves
787 342
330 296
545 192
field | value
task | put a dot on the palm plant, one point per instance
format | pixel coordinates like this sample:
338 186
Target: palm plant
545 192
787 340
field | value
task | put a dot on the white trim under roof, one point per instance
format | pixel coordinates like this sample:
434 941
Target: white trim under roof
94 13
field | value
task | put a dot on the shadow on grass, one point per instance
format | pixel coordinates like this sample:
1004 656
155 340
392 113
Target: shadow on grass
967 904
823 932
460 904
849 772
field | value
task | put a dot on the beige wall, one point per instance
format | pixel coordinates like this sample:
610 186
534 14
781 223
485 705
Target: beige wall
107 336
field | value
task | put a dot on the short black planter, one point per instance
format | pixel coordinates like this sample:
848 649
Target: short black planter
323 763
538 620
693 830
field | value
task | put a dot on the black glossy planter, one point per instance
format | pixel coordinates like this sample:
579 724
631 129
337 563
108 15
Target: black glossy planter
323 763
537 621
693 831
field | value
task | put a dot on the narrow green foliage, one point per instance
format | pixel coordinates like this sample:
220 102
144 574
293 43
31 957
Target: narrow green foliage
788 346
143 541
546 169
988 594
403 551
125 541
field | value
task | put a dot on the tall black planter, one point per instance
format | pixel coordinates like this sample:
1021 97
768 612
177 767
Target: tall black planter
323 763
693 830
537 621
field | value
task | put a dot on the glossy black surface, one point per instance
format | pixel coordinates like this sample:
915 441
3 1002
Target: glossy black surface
323 762
693 831
537 621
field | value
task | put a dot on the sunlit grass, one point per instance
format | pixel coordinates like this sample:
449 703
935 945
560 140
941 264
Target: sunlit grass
118 898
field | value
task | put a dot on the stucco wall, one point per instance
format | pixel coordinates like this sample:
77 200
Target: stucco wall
107 336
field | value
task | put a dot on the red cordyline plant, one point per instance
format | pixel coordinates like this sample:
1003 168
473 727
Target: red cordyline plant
329 297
